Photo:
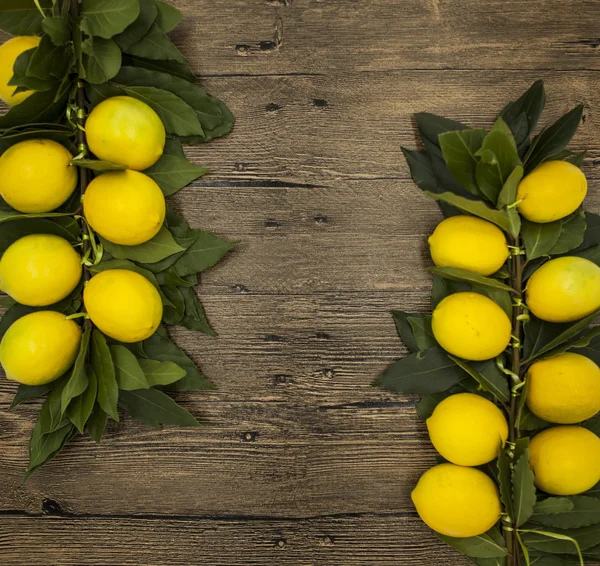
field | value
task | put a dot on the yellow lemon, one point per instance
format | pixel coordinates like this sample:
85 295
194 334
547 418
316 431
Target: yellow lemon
457 501
39 347
40 270
467 429
36 176
469 243
124 130
123 304
471 326
552 191
564 389
565 460
125 207
564 289
9 52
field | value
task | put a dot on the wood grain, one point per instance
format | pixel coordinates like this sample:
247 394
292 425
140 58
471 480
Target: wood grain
301 461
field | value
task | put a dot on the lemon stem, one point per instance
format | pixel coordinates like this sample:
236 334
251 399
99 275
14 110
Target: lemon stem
519 316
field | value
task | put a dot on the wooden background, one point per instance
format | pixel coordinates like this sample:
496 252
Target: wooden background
302 462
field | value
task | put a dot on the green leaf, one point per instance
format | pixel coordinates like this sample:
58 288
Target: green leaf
592 233
161 373
78 380
160 247
498 159
557 542
159 348
168 17
97 423
585 511
195 317
21 17
474 207
508 194
552 506
523 114
524 495
443 287
136 31
101 59
154 408
421 327
173 173
456 274
539 239
58 29
28 392
22 79
156 45
529 421
37 108
43 447
108 390
172 68
170 278
96 165
504 467
553 139
107 18
459 149
174 313
80 409
130 375
482 546
425 373
431 126
207 250
572 234
488 376
405 329
580 342
178 117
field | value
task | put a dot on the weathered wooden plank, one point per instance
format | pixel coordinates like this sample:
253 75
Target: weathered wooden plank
237 541
337 36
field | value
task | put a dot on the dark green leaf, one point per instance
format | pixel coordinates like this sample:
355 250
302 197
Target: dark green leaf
168 17
45 446
160 247
456 274
170 278
21 17
178 117
581 342
405 329
482 546
78 380
523 114
161 373
195 317
174 173
504 467
80 409
592 233
174 313
524 495
431 126
154 408
58 29
443 287
136 31
173 68
43 59
539 239
571 235
421 326
101 59
425 373
427 403
22 79
553 139
37 108
156 45
475 207
488 376
206 251
552 506
107 18
508 194
585 511
28 392
530 422
108 390
96 165
586 537
459 149
97 423
130 375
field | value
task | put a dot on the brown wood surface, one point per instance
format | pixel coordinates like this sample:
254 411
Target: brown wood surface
302 462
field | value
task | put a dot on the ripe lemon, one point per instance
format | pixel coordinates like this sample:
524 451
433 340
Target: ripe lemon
469 243
564 389
36 176
126 131
471 326
39 347
467 429
565 460
564 289
123 304
40 270
9 52
552 191
125 207
456 501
